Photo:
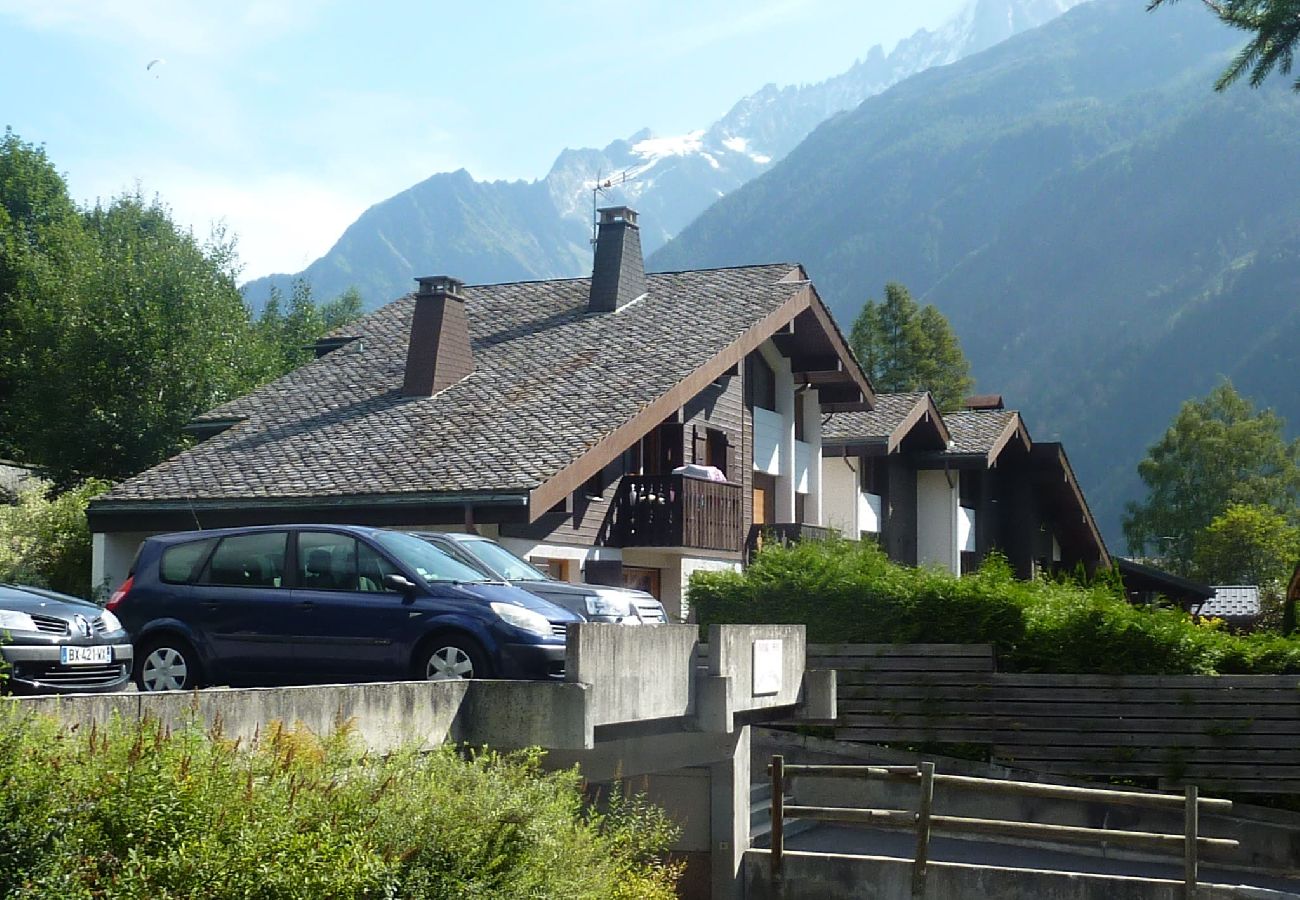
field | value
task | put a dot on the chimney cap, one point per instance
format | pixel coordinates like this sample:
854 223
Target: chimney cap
612 214
439 284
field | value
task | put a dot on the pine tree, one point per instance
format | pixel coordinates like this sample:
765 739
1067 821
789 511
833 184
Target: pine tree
904 347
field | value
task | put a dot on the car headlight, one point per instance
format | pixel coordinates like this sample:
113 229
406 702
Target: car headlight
111 622
523 618
15 621
609 603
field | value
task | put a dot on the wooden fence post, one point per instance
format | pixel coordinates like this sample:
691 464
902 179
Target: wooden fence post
778 817
923 830
1191 837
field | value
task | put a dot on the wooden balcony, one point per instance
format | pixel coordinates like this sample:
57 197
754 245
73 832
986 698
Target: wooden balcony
783 533
676 511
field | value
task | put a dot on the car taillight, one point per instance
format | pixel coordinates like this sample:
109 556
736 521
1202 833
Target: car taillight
119 595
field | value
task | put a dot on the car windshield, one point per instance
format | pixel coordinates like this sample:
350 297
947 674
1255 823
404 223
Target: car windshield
431 563
501 561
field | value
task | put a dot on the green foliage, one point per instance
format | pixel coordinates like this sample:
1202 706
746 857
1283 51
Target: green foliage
846 592
287 337
1247 545
117 327
124 341
904 347
131 811
44 540
1220 451
1276 27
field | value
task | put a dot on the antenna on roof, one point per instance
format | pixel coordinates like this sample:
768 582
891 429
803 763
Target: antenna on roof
600 188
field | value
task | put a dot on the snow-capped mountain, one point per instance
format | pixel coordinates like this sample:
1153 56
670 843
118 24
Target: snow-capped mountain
496 231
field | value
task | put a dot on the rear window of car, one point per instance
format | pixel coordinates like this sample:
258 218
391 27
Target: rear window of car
178 562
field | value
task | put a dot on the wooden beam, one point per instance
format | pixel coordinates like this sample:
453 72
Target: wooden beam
825 376
858 405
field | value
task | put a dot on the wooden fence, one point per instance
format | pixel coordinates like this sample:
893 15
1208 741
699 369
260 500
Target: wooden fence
1228 733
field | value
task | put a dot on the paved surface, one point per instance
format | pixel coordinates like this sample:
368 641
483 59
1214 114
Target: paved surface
902 845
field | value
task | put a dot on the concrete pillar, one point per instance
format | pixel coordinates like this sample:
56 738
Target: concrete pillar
729 817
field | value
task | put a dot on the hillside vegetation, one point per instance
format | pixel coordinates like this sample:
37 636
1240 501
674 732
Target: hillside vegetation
1106 233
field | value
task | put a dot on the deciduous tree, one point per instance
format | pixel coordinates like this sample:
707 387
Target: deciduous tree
1247 545
1218 451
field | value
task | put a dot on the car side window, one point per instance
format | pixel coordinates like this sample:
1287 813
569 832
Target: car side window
327 561
179 562
248 560
371 570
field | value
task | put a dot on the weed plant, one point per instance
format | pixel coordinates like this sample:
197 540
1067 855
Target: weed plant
133 811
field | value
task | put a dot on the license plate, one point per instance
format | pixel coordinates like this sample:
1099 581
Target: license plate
85 656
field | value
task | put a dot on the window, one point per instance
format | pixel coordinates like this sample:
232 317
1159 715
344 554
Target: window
427 560
501 561
179 562
248 560
715 450
339 562
641 579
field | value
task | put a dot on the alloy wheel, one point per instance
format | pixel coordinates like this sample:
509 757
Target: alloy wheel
448 664
165 669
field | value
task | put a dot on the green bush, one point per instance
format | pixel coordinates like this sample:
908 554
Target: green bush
846 592
132 811
44 540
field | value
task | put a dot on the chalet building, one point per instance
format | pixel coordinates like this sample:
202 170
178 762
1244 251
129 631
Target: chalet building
550 415
948 489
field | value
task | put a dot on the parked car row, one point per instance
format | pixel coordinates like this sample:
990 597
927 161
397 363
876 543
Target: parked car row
305 604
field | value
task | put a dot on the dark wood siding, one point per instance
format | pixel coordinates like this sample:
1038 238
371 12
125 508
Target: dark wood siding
588 525
898 502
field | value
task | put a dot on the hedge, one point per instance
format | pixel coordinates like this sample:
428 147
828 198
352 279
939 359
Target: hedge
131 811
848 592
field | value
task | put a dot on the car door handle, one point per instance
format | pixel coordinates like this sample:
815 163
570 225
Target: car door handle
209 604
305 605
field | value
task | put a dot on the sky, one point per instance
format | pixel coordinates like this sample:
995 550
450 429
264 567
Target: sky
281 122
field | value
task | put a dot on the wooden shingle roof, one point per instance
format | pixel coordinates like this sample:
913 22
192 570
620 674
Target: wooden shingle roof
551 381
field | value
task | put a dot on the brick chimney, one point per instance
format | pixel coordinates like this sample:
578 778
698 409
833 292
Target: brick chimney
618 274
439 354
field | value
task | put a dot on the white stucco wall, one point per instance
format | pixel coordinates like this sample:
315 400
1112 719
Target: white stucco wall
839 493
937 514
111 556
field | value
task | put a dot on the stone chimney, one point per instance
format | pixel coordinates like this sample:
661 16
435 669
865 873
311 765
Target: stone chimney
618 274
439 354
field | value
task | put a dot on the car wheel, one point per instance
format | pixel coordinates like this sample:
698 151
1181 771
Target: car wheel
167 664
451 658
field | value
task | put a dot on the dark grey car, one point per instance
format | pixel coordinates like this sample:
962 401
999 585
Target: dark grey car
52 643
593 602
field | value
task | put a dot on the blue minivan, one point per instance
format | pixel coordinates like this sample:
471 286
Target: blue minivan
312 604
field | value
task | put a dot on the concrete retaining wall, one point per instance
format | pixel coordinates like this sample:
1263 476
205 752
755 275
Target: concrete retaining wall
635 674
385 716
829 876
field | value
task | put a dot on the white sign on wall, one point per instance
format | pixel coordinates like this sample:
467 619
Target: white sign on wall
767 667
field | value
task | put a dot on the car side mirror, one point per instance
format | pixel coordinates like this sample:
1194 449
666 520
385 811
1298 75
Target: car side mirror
400 583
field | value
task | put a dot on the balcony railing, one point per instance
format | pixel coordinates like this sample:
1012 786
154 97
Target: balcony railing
676 511
783 533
